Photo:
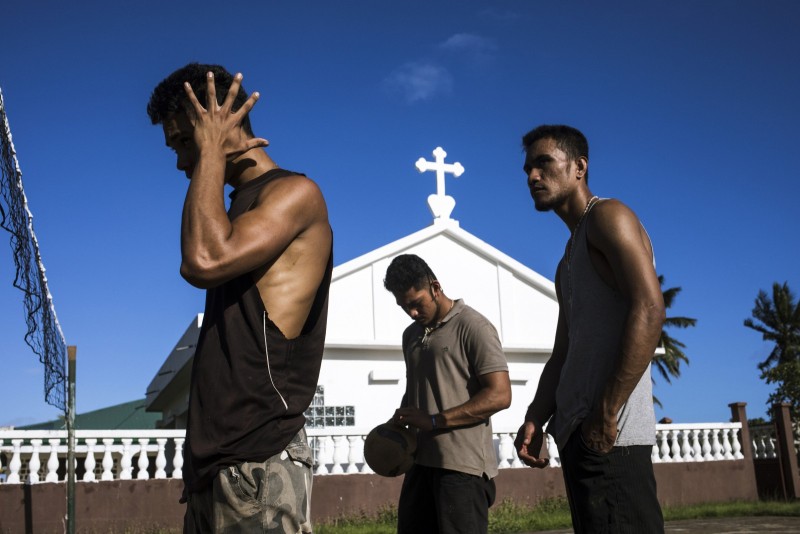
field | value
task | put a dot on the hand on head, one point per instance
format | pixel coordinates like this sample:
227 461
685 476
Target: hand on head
218 127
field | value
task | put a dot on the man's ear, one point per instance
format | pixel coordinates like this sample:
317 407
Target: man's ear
436 288
582 167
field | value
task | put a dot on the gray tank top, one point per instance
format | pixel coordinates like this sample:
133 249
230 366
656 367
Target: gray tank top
595 316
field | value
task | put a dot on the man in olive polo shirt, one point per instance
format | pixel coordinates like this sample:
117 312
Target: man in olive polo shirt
456 378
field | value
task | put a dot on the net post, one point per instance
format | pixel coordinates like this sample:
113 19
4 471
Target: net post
71 355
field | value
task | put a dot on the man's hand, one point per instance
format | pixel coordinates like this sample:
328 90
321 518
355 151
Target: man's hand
529 445
415 417
217 127
599 433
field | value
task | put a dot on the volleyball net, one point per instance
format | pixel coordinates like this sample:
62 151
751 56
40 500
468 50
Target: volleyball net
43 334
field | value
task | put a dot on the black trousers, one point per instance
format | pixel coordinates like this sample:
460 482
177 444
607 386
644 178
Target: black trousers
611 493
441 501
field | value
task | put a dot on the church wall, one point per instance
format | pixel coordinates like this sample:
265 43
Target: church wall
528 317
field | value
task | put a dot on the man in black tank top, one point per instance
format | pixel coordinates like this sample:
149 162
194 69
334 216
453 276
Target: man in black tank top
266 265
595 390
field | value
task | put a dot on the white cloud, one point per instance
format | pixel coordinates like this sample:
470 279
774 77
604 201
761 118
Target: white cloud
476 46
419 81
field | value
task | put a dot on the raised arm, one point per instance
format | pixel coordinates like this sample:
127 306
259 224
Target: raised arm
213 248
626 261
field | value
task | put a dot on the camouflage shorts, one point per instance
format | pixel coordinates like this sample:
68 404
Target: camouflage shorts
270 497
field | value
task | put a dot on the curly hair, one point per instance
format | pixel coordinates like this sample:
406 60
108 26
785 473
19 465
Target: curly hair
169 96
407 271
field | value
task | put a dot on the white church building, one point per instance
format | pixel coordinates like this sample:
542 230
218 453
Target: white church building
362 379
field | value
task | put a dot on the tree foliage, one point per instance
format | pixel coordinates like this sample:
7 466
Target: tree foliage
668 364
777 319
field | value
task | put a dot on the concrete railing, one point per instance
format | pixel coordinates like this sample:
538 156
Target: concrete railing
31 456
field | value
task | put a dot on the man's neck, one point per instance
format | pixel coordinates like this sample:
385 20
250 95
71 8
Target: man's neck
249 166
574 208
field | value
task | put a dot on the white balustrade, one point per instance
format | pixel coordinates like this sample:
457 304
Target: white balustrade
25 451
337 451
697 442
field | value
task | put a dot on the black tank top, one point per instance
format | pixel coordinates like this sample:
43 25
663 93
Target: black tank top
250 385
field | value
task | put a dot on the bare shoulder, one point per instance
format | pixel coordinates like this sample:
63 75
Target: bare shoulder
290 187
611 220
295 196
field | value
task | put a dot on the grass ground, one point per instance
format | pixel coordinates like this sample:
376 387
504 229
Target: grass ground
508 518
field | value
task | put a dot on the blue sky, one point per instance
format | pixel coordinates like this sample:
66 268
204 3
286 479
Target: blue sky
690 109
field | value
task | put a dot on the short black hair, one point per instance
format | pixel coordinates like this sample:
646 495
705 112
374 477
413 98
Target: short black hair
567 138
169 96
407 271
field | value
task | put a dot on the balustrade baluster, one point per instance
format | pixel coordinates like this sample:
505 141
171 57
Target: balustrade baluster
364 468
177 461
677 436
161 458
552 451
354 455
716 448
769 449
324 454
664 452
505 451
125 462
727 445
516 462
758 445
686 446
694 446
89 463
144 461
52 461
706 446
16 462
108 461
34 463
339 454
736 446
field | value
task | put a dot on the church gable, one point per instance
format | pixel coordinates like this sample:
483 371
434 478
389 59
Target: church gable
519 302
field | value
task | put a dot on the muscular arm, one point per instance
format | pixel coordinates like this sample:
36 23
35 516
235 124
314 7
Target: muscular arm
530 435
615 232
214 249
494 395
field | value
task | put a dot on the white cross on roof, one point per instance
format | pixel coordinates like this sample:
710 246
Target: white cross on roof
441 205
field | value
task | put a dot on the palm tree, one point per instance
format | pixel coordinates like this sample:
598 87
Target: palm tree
668 364
778 320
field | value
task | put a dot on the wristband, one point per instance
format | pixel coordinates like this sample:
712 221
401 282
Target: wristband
433 422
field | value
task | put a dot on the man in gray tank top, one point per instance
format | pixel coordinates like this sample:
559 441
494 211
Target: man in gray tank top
595 389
